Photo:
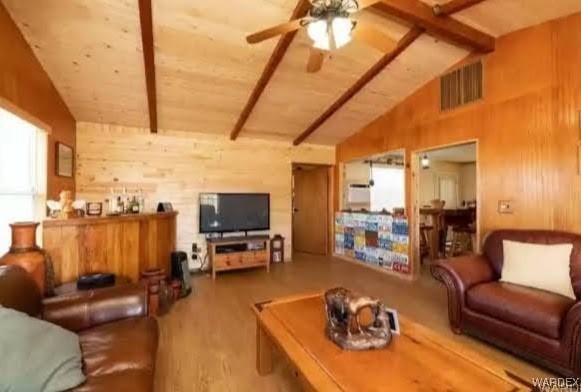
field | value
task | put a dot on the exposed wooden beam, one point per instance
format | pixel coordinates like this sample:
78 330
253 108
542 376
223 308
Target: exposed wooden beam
402 45
284 42
146 20
453 6
420 14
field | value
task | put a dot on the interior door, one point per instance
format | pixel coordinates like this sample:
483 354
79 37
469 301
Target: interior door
310 210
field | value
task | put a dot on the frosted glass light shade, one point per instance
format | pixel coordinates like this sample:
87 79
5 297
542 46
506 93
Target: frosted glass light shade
339 32
341 27
317 31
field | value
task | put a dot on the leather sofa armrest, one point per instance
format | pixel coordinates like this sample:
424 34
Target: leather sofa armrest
572 335
459 274
86 309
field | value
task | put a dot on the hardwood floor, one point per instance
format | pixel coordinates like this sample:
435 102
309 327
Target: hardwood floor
207 341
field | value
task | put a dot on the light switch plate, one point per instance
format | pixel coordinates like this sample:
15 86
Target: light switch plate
505 207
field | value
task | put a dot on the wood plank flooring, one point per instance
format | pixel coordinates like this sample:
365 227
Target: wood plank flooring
207 342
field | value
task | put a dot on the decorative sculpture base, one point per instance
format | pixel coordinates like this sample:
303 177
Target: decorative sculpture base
344 326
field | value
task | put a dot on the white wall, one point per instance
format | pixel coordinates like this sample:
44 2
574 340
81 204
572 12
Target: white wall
468 181
464 173
429 180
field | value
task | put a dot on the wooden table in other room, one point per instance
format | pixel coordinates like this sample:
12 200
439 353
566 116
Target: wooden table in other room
418 359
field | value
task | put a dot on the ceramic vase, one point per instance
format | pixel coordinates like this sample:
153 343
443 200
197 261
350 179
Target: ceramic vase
25 253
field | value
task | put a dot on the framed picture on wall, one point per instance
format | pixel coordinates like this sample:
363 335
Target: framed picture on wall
65 160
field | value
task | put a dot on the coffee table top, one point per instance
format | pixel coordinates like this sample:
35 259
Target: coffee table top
418 359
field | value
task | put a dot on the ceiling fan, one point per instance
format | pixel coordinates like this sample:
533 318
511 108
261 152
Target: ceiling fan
330 25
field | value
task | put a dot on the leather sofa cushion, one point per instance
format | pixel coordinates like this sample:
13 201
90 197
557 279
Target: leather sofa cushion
535 310
123 350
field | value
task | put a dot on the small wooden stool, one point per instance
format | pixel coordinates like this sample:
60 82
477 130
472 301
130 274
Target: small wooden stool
425 231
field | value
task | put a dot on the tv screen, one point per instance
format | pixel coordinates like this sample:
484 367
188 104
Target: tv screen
229 212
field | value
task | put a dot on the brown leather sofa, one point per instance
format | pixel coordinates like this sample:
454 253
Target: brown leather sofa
118 340
538 325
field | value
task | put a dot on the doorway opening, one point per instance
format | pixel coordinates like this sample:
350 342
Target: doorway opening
371 228
312 204
446 197
375 183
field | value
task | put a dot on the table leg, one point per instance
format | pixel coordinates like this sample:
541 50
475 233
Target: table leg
264 348
434 240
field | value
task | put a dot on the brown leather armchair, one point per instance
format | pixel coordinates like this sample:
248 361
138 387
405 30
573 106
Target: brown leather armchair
538 325
118 340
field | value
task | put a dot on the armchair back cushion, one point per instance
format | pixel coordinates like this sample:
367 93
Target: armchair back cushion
493 249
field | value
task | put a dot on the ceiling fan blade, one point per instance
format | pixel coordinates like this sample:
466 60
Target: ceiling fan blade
316 58
274 31
374 38
367 3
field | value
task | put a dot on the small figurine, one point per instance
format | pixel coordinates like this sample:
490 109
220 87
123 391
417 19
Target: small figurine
54 208
79 208
66 202
344 327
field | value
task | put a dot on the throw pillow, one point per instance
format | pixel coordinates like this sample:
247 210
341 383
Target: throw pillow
544 267
37 355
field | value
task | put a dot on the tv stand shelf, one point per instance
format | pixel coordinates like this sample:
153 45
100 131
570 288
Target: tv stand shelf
231 253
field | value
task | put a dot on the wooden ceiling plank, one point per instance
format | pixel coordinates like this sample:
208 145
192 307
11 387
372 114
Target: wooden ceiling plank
379 66
420 14
146 21
278 53
453 6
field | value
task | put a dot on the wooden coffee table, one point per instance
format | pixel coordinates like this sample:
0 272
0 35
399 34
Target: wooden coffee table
418 359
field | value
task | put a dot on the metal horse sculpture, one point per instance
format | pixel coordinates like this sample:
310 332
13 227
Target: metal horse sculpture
344 326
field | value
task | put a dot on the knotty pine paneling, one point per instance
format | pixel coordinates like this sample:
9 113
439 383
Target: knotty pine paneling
178 166
526 125
27 91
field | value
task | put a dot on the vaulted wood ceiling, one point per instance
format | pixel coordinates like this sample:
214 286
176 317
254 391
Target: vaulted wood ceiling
206 71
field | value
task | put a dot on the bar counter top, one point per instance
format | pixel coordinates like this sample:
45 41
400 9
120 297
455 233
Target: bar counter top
89 220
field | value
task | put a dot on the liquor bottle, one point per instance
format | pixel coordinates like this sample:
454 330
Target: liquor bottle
120 205
134 206
141 201
125 202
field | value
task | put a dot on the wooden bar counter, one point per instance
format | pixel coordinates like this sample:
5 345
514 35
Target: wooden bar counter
124 245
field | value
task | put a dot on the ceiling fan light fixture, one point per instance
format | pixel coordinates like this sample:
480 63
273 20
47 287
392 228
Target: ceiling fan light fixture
338 29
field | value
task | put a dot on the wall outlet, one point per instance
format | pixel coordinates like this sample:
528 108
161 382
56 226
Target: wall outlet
505 207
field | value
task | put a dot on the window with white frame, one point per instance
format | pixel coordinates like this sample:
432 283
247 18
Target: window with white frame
22 173
388 190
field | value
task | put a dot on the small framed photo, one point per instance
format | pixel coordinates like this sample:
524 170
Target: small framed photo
94 209
65 160
393 320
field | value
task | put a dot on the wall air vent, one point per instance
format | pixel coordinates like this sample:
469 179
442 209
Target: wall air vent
461 86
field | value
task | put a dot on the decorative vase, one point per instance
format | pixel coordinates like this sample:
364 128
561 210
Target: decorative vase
26 253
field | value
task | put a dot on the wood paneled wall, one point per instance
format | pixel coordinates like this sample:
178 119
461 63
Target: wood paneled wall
527 126
177 166
27 91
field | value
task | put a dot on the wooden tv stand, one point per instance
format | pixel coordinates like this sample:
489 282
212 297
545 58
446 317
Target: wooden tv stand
231 253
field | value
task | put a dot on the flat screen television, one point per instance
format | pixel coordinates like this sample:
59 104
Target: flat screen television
233 212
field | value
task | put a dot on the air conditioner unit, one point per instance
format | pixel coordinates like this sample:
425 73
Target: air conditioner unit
358 193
